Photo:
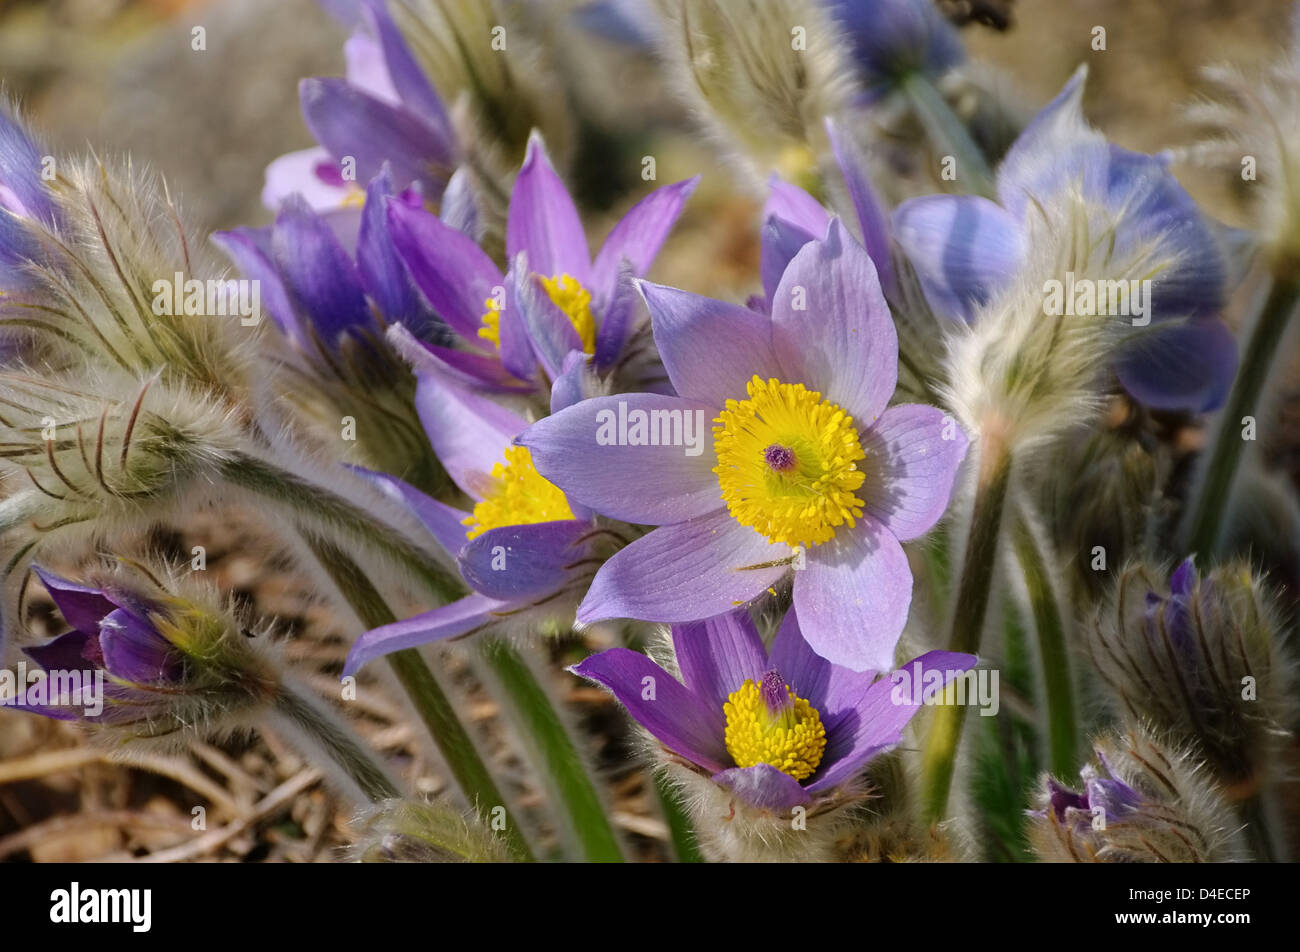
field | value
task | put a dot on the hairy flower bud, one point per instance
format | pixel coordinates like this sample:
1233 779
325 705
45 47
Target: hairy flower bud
1200 660
1143 802
146 663
762 74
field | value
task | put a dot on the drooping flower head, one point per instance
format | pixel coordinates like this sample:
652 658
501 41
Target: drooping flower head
516 330
1096 218
777 729
524 550
170 666
806 468
1142 802
385 111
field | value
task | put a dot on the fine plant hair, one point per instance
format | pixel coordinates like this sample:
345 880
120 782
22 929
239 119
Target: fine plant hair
1182 816
1028 375
91 305
1251 114
761 100
231 668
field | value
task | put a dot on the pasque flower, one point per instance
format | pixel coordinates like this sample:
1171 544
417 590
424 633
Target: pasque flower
170 665
524 550
967 250
385 111
807 467
516 330
314 290
778 729
1142 802
1198 657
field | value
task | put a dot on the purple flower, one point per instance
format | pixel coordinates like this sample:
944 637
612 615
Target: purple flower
966 249
1103 795
113 634
524 550
778 729
24 199
792 218
891 38
806 468
311 286
517 330
386 111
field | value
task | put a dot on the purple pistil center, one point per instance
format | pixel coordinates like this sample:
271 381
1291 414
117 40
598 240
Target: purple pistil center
772 689
779 458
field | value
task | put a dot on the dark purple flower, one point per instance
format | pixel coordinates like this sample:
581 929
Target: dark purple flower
113 634
385 112
812 380
311 286
778 729
517 330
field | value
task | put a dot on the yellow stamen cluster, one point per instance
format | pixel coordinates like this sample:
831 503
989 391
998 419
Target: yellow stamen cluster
567 294
792 740
491 329
519 496
575 301
802 500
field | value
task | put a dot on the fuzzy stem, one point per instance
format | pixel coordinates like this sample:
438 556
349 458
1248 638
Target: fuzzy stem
426 695
939 754
321 728
564 770
1205 514
330 514
948 134
685 845
1049 622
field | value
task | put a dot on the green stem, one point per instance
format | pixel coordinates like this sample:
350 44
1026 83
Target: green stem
426 695
322 729
333 515
1205 515
948 134
1057 684
679 824
564 770
939 754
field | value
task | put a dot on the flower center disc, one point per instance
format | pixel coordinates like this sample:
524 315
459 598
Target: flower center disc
767 723
568 295
520 495
787 463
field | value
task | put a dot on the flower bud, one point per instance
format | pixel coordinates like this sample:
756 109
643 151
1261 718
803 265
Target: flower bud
142 665
1199 659
1143 802
762 75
